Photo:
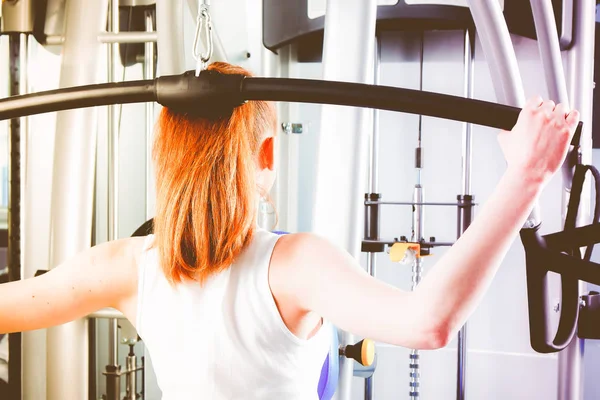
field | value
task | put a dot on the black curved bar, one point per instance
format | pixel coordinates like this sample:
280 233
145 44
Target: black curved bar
77 97
383 98
202 94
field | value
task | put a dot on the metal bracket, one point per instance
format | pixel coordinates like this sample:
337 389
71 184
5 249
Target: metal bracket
292 128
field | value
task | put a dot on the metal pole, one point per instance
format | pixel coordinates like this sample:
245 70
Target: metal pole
417 271
502 62
128 37
131 381
110 37
549 47
170 40
73 191
374 184
581 86
467 159
374 159
417 232
498 50
113 179
551 58
149 73
18 44
23 348
467 139
347 56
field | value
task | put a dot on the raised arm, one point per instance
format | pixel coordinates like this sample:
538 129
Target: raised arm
319 278
103 276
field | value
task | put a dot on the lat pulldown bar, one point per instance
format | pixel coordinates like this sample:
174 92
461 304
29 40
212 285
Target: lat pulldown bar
214 92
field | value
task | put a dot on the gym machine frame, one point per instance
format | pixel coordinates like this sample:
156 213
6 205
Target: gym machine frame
580 12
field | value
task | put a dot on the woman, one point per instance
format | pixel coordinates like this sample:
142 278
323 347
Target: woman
228 311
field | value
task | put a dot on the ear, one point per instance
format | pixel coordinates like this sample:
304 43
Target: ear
266 156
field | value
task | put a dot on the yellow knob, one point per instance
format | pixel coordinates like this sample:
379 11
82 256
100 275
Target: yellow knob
363 352
367 353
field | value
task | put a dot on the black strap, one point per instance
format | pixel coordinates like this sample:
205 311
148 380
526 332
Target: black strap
575 201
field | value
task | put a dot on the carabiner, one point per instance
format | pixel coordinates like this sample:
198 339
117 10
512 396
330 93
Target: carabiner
203 23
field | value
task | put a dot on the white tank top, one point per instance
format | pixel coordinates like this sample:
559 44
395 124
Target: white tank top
225 339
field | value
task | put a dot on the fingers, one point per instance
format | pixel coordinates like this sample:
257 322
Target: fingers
534 102
573 119
565 117
561 111
547 108
561 117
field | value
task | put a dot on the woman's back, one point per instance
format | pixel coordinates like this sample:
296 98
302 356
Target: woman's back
225 339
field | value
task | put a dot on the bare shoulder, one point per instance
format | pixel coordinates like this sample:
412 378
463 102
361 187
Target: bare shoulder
122 259
122 253
300 246
294 264
305 250
136 247
298 258
309 275
290 253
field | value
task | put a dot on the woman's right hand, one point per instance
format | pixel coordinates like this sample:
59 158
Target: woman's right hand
538 144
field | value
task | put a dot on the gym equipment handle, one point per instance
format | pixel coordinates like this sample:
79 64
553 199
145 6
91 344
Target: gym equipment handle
211 94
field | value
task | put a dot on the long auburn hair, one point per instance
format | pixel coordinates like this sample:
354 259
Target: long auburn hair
205 186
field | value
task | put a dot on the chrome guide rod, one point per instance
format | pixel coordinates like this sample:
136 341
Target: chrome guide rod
467 138
149 73
374 159
417 231
113 168
467 159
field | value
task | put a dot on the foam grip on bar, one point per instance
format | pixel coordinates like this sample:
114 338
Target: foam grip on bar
363 352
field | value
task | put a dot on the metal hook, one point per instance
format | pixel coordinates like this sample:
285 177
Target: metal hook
203 23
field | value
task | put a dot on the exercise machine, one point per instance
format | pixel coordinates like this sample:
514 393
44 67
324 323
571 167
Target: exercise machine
281 96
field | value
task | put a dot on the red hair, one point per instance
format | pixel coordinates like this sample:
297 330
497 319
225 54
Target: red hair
205 184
